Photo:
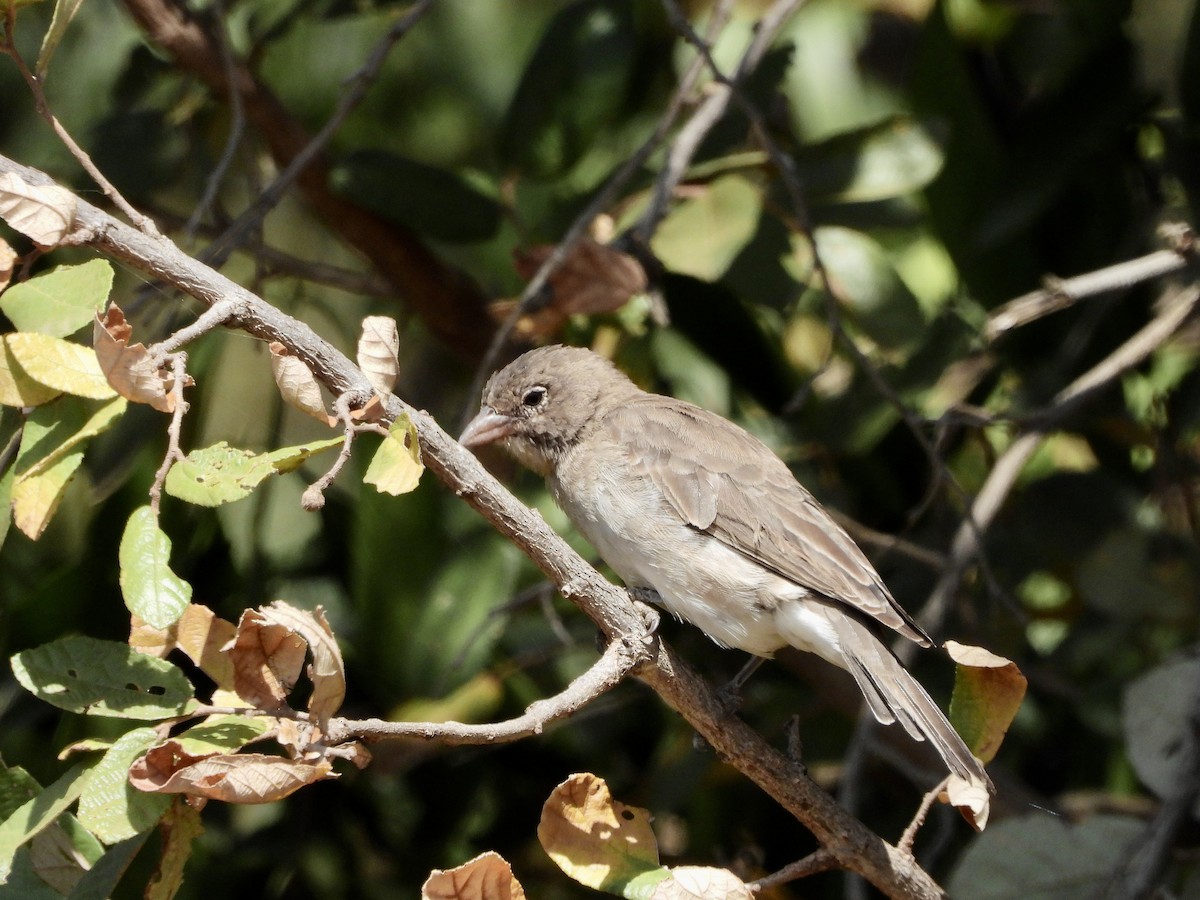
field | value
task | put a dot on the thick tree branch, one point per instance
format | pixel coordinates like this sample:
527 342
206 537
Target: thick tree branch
852 844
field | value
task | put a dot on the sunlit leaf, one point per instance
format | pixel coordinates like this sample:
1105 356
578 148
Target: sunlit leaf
151 590
486 877
378 346
43 213
130 369
35 499
704 234
231 778
17 387
112 808
87 675
297 384
222 474
59 302
988 690
62 365
396 466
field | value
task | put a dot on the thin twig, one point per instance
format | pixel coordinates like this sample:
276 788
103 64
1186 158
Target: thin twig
212 318
314 495
910 833
818 861
237 126
613 666
173 454
8 47
357 85
603 199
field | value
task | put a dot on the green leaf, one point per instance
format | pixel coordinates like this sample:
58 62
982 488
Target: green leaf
99 882
110 807
222 734
396 466
221 474
54 431
428 200
36 813
151 590
35 499
988 690
867 285
703 235
103 678
572 89
61 365
61 301
885 160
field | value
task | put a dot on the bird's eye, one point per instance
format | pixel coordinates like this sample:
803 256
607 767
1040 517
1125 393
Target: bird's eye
534 396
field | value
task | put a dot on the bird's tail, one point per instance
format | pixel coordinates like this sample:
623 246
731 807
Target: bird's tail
895 696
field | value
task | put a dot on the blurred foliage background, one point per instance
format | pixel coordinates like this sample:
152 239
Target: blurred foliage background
952 154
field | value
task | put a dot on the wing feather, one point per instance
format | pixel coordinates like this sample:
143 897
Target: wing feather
722 480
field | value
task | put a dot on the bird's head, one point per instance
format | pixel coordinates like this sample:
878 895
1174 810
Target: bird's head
542 404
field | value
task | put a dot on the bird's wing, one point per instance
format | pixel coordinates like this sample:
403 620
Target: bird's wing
724 481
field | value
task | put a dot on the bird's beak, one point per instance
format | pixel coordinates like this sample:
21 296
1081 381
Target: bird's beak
486 427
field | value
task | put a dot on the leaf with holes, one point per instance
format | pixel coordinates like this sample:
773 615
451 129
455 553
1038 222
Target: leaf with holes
103 678
212 476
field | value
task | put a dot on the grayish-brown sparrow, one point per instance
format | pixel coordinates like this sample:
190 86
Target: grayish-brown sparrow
681 501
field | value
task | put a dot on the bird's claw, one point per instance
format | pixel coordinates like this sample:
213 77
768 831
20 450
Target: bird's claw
646 599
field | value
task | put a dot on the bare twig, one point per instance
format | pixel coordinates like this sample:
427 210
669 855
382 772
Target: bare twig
357 86
910 833
1061 293
173 454
9 48
817 861
613 666
213 317
314 495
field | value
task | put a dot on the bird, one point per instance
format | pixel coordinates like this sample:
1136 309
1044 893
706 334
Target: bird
691 508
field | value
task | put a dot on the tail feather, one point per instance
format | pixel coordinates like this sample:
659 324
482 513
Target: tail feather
893 695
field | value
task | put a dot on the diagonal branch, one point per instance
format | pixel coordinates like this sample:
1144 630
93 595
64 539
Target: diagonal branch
849 841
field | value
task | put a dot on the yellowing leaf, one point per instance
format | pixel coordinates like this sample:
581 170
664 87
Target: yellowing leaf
297 384
378 347
129 368
396 466
61 301
35 498
988 690
62 365
199 633
704 234
596 840
56 434
232 778
486 877
151 590
17 388
43 213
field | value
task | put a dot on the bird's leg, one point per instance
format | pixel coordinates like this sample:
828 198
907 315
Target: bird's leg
730 694
649 599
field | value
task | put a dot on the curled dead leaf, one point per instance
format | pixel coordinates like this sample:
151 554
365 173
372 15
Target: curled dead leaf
267 660
229 777
44 213
129 368
327 672
970 798
486 877
297 384
378 352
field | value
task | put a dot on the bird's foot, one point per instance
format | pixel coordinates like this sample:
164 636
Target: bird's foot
646 599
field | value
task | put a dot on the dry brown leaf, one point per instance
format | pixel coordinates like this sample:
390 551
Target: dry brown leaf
371 411
229 777
970 798
486 877
327 672
598 841
8 262
594 278
701 883
129 368
378 352
297 384
267 659
199 633
43 213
